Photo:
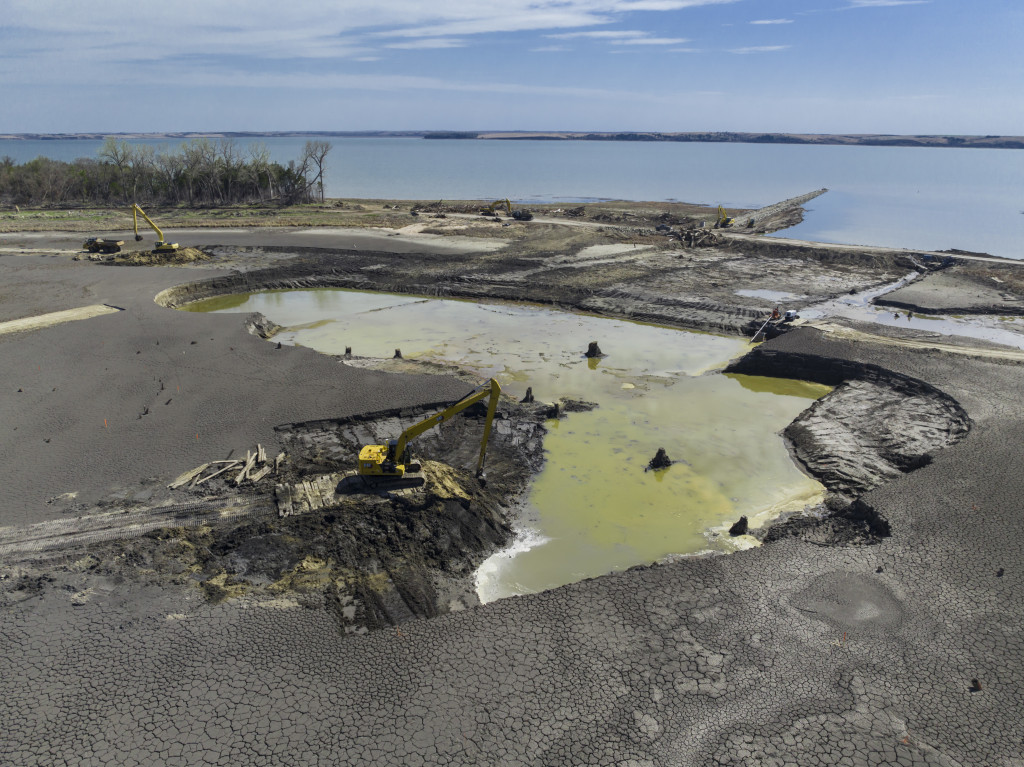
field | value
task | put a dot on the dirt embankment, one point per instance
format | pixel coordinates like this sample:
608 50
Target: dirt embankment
699 288
874 426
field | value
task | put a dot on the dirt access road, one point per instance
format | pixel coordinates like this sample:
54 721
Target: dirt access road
885 633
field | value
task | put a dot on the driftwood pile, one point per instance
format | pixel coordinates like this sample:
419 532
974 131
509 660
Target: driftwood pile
252 469
698 237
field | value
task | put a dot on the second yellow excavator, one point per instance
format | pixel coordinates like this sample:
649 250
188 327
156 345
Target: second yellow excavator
492 209
160 246
392 460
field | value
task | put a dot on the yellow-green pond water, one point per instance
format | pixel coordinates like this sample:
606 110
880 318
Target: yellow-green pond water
593 508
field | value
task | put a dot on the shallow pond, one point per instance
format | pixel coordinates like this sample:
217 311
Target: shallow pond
593 508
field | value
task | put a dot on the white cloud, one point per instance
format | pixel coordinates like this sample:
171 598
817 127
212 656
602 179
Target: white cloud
609 34
620 37
773 21
56 39
884 3
428 43
652 41
759 49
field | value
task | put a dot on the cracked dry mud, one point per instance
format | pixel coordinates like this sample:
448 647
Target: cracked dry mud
800 652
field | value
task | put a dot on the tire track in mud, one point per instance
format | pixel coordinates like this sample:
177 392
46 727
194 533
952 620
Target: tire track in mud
53 535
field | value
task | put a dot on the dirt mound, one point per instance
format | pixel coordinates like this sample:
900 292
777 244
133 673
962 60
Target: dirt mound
146 258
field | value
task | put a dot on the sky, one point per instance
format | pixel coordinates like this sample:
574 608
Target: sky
800 66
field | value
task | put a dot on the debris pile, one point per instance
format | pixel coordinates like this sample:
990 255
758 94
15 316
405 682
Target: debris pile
252 469
698 237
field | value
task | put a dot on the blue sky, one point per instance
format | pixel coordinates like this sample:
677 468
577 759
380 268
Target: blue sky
822 66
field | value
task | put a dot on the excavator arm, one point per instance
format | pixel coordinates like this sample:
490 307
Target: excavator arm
160 244
506 204
390 460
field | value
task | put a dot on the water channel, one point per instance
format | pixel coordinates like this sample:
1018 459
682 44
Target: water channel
593 508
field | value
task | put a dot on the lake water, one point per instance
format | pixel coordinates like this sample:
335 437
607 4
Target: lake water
592 508
971 199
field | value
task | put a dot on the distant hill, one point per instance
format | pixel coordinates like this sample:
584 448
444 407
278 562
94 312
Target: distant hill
849 139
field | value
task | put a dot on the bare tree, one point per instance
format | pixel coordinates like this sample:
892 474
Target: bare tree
119 154
315 152
259 166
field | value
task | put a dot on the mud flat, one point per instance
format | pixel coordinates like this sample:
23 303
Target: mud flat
898 647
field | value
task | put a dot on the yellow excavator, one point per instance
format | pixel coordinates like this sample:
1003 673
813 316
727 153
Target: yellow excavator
490 209
392 461
724 220
160 246
519 214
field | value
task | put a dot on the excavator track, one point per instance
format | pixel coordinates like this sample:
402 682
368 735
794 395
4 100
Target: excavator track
41 538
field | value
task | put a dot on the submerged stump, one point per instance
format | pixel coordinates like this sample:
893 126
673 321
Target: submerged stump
660 461
739 527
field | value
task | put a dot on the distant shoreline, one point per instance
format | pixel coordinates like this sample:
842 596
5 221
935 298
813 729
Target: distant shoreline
843 139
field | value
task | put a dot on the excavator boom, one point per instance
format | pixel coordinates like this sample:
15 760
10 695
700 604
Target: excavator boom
391 460
160 246
506 204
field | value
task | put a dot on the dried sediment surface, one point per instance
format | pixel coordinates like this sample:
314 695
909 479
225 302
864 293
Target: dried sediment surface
788 653
964 288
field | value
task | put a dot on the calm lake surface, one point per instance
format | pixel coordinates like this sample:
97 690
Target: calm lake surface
971 199
592 508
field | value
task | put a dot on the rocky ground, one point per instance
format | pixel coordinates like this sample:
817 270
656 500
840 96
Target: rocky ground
879 630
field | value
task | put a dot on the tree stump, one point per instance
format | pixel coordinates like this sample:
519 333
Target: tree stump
739 527
660 461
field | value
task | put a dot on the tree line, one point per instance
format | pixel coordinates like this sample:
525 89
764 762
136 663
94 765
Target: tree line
199 173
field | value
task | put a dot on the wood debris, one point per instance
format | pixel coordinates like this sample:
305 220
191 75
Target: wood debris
253 468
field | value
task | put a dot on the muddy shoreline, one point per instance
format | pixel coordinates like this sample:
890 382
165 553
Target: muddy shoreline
800 650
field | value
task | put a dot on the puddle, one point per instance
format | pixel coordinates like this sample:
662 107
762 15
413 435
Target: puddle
593 508
1008 331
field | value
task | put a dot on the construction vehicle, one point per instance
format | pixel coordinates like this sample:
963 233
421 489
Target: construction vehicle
392 461
491 210
518 215
99 245
161 246
724 220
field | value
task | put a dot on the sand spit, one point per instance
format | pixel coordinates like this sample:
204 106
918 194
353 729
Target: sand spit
898 647
56 318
